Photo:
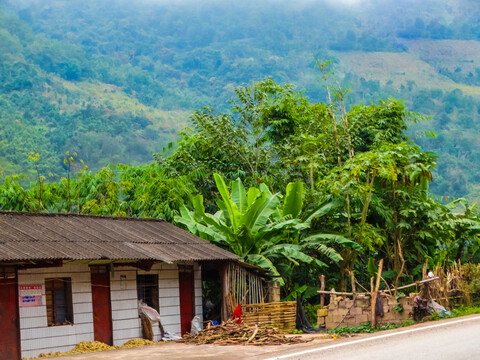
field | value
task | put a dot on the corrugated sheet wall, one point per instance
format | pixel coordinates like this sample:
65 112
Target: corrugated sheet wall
36 337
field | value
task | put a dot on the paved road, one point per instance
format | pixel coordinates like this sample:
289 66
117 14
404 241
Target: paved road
453 339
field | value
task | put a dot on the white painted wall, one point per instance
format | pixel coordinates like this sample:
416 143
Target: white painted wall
198 292
35 335
126 324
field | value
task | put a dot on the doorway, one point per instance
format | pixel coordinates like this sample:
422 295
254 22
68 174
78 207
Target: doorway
102 308
9 331
187 297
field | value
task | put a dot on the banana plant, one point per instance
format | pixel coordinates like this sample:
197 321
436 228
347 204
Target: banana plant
262 228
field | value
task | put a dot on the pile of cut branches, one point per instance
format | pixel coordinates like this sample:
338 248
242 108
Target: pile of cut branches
231 333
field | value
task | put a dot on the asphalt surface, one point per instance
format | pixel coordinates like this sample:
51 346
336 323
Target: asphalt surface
452 339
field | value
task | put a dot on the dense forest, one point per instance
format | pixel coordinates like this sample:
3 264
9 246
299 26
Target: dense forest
116 81
183 110
253 180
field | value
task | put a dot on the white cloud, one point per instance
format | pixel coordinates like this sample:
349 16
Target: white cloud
349 3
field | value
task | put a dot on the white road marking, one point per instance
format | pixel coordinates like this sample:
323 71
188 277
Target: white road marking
372 338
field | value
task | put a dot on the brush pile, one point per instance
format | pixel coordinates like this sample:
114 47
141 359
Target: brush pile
231 333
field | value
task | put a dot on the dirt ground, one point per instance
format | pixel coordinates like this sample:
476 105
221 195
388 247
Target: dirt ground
176 351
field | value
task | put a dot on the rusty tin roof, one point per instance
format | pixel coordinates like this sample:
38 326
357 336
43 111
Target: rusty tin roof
39 236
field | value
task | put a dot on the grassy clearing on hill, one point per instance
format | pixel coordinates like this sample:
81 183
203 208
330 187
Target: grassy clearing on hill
399 69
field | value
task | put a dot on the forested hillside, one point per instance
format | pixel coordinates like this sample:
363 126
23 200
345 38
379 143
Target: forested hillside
115 81
254 181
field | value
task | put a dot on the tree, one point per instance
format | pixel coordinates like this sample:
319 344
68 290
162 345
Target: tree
241 143
256 226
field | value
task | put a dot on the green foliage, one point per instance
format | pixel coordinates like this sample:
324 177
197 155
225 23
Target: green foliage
311 312
290 186
471 283
115 80
398 308
364 328
465 310
254 225
139 191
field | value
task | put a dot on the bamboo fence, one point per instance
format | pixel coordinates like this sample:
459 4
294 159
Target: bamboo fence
278 314
243 287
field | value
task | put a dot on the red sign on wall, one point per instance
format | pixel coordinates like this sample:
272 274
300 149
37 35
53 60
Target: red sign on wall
31 295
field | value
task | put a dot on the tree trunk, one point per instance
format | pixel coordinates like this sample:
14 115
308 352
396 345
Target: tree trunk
373 323
346 266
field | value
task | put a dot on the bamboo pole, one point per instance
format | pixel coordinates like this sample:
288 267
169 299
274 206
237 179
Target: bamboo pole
341 293
418 283
327 292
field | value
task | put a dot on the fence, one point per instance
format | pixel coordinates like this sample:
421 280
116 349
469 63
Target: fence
278 314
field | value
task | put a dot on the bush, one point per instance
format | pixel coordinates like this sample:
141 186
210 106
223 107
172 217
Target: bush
471 283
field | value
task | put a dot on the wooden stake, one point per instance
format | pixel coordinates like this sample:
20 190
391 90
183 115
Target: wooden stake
352 277
225 293
373 299
379 274
375 292
322 288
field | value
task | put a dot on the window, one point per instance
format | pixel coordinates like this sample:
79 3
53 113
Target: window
99 269
147 290
7 272
58 297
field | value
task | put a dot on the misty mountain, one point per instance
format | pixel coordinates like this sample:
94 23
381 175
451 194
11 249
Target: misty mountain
116 80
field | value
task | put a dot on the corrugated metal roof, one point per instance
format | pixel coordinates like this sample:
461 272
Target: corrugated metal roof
38 236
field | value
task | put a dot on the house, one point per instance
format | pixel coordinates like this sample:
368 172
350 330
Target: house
68 278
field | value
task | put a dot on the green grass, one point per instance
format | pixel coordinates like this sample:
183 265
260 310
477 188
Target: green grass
367 328
364 328
460 311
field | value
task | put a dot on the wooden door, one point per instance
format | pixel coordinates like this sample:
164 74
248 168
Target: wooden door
102 310
9 329
187 297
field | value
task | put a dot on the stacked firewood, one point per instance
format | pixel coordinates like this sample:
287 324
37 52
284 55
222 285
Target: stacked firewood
231 333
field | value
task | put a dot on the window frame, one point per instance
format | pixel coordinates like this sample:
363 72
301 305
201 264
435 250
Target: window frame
55 288
7 272
148 290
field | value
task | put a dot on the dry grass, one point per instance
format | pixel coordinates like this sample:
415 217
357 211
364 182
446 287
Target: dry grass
399 68
97 93
455 286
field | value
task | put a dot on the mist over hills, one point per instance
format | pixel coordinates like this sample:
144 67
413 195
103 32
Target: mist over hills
116 80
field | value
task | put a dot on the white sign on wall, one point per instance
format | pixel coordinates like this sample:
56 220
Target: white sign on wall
31 295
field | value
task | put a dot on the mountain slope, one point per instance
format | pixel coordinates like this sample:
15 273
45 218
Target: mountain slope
116 80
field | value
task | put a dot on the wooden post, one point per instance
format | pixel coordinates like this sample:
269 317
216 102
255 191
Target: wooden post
375 292
322 287
225 293
352 277
273 291
373 299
